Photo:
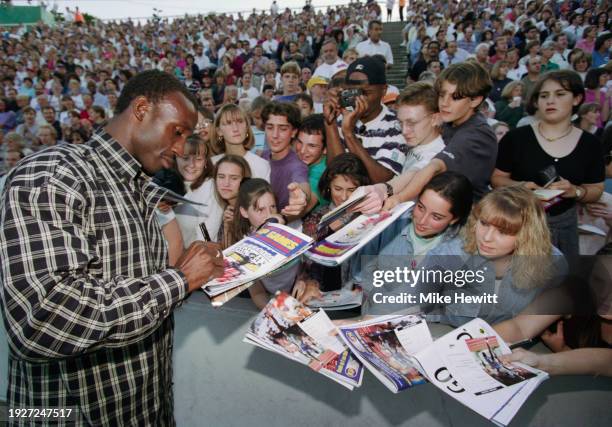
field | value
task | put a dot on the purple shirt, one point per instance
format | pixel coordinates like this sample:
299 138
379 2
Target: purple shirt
283 172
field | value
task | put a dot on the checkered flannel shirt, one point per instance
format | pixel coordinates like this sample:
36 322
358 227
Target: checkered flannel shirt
86 296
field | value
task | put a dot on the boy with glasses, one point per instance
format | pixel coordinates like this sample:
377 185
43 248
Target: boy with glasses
471 146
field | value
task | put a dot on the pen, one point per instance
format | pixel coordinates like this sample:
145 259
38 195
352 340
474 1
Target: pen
522 343
204 231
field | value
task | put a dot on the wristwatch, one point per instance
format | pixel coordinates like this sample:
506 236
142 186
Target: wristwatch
579 192
389 189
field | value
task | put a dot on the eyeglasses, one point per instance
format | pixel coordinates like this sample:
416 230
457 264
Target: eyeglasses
413 124
202 126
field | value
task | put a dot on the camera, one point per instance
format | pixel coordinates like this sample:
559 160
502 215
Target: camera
347 97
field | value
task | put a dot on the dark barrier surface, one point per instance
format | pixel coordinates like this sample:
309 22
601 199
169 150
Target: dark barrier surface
221 381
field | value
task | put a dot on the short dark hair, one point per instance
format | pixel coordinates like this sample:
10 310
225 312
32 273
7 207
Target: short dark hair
591 80
569 80
472 80
373 22
153 85
314 125
306 98
286 109
599 41
347 164
457 190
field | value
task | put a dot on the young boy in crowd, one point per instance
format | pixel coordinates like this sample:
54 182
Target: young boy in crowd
311 149
290 77
417 112
304 103
471 146
288 174
257 126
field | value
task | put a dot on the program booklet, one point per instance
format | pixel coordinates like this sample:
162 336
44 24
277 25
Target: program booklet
466 364
386 346
287 327
255 256
341 245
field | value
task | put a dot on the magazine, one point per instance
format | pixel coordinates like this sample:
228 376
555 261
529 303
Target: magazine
287 327
546 194
274 245
333 215
258 254
341 299
386 347
339 246
466 364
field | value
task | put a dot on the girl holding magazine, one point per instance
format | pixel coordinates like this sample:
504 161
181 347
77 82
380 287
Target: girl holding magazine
342 176
255 205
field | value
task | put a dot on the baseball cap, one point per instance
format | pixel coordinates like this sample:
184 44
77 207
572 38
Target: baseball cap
316 80
373 68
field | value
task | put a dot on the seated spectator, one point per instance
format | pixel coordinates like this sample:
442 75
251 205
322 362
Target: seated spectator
257 126
499 78
290 75
317 87
29 128
509 108
331 60
500 129
8 119
589 117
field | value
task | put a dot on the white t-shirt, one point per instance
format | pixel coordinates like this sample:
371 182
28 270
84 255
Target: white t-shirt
189 216
326 70
260 168
368 48
251 93
421 155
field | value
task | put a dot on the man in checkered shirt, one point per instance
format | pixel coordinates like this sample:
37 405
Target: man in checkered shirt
86 292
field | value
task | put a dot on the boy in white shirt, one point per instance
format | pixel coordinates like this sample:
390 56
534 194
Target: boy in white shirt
417 112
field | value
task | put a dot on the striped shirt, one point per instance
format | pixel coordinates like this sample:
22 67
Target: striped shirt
86 296
382 139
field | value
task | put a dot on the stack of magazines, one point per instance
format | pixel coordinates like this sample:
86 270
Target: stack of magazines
287 327
466 363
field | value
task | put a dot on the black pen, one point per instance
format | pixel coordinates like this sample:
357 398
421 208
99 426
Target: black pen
521 343
204 231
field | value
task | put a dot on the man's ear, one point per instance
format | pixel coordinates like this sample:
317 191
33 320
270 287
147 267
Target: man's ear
140 106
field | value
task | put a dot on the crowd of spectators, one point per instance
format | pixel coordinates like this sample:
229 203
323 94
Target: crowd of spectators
270 88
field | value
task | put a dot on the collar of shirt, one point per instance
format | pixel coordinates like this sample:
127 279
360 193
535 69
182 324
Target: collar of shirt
119 160
126 167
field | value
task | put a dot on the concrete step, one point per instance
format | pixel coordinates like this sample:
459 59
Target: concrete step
392 34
